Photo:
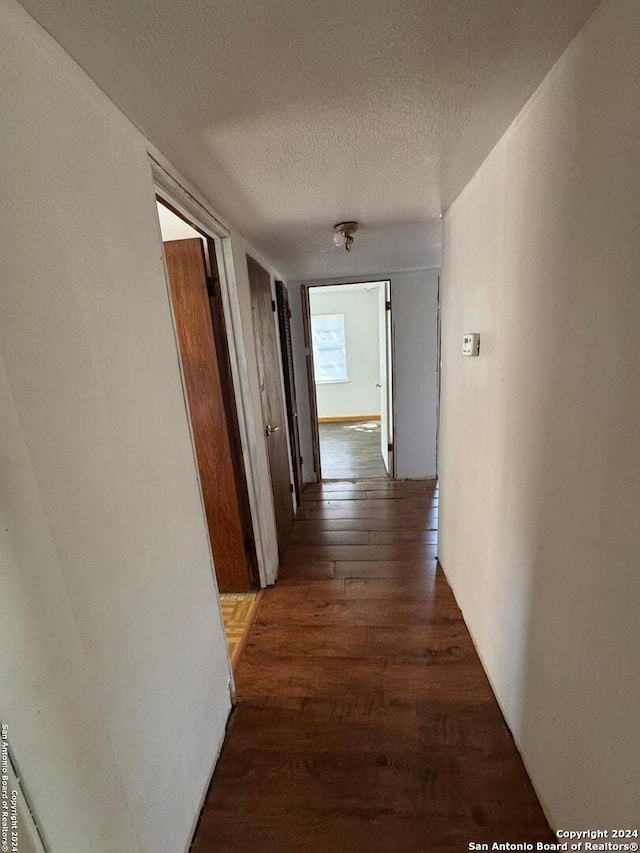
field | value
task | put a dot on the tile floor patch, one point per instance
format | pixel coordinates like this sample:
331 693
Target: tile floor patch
237 613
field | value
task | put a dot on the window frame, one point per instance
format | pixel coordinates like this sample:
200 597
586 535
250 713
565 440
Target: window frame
344 378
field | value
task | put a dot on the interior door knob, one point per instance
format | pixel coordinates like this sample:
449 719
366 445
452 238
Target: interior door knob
271 429
378 385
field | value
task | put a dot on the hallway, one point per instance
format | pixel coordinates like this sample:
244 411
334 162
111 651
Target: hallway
365 721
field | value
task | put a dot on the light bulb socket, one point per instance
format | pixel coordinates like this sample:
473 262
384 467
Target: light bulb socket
343 234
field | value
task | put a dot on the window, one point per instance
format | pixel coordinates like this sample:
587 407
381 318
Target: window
329 348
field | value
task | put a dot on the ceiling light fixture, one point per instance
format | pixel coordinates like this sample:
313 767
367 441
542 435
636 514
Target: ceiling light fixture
343 234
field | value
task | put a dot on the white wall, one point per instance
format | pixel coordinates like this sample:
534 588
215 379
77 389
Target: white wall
414 297
358 396
414 300
540 462
50 695
114 669
172 227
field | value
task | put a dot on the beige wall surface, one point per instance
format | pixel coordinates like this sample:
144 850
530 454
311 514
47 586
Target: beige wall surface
540 461
114 671
414 297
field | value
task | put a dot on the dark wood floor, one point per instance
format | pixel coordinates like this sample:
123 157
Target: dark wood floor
365 721
351 451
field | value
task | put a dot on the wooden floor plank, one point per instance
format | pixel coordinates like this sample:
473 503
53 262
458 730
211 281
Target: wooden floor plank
307 569
425 498
392 510
407 486
372 508
357 523
365 721
378 678
421 498
405 568
329 537
389 537
278 610
397 551
325 725
445 642
426 585
336 532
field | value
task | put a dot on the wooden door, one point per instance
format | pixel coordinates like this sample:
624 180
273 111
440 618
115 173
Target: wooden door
286 348
264 330
231 543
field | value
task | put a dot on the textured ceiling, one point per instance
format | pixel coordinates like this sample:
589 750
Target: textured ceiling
291 115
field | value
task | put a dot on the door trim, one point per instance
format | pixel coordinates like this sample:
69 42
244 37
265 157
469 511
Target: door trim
218 317
392 373
169 189
439 373
288 375
311 388
311 385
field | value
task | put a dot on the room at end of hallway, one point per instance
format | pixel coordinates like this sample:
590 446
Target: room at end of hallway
351 450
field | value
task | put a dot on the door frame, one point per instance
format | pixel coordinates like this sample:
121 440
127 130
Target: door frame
438 371
308 351
288 375
184 204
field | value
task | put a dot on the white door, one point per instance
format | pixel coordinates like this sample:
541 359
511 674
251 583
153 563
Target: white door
386 390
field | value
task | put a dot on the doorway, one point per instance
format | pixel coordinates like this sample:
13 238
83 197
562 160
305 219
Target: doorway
198 315
348 333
